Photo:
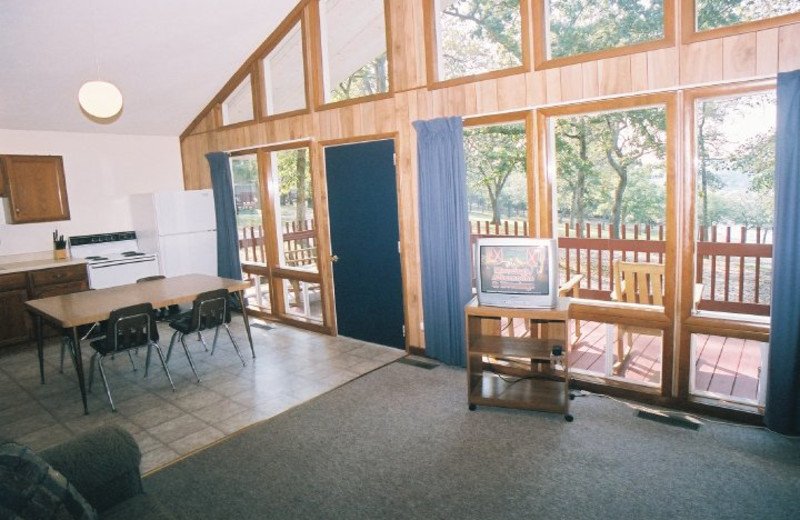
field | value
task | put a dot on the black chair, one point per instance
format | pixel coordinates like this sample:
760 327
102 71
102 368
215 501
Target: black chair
162 314
91 331
209 311
128 328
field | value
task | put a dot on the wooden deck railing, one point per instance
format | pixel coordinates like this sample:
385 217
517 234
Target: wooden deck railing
299 243
733 264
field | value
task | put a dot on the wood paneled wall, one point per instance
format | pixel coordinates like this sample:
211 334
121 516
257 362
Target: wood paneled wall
757 54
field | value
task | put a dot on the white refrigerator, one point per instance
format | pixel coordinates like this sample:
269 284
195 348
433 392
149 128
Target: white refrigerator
181 227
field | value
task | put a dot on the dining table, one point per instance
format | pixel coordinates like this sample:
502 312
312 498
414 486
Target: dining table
70 311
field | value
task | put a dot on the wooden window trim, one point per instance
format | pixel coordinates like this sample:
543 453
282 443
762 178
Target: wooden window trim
689 210
254 83
541 32
318 80
689 34
275 39
525 117
432 54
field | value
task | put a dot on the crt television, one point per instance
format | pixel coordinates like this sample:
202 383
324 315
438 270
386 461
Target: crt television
517 272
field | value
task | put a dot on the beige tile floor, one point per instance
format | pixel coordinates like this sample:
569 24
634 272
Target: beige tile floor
291 366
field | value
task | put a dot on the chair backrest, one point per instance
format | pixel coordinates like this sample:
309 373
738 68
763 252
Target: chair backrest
210 310
639 282
130 327
151 278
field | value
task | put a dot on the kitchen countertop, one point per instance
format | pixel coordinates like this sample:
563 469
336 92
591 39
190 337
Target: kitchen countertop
32 261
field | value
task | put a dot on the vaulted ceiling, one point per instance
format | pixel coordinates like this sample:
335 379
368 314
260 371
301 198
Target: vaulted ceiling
168 57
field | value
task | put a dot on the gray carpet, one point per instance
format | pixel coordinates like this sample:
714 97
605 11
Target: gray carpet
400 443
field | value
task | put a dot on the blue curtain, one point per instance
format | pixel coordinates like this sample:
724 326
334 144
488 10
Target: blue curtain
444 237
782 412
228 265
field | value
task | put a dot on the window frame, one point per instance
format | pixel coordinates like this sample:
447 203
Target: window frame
689 34
541 33
525 117
612 312
318 71
254 86
432 49
277 38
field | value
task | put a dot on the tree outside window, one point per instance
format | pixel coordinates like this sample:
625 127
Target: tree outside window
477 36
578 26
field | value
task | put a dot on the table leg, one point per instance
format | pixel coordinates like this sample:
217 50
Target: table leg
40 345
76 341
246 322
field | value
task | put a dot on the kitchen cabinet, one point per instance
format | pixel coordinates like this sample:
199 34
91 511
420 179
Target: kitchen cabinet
16 288
14 319
35 187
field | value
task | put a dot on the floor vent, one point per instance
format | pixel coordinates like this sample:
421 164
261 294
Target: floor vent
263 326
414 362
682 421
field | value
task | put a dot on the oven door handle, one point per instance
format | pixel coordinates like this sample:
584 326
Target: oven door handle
122 262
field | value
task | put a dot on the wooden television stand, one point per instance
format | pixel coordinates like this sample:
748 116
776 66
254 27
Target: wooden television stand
522 371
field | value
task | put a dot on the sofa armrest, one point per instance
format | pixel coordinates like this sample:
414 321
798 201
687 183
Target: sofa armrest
103 465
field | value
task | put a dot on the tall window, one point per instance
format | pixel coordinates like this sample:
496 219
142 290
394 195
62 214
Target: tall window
296 233
249 224
284 74
497 179
353 37
610 205
714 14
734 168
477 36
577 26
238 106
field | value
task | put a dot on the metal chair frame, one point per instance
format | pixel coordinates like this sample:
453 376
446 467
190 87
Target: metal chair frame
129 328
209 310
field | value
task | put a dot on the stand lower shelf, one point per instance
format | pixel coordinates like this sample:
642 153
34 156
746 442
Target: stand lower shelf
518 372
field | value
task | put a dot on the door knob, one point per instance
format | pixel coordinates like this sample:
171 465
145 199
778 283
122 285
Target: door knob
334 258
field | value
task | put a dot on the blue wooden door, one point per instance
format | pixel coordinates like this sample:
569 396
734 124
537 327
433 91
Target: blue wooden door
362 204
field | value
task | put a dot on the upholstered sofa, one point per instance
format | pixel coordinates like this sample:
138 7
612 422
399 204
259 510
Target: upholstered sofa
95 475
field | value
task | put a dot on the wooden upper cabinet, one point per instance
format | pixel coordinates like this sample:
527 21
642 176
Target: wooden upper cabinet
35 188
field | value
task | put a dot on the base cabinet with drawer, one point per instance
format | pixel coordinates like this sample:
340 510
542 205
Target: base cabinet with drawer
16 325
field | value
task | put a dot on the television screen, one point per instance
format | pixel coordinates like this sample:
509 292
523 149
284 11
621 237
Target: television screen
515 269
517 272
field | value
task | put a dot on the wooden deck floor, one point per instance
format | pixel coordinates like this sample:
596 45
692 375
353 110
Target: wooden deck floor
728 368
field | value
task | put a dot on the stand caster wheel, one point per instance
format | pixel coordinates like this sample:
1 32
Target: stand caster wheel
568 418
571 397
472 407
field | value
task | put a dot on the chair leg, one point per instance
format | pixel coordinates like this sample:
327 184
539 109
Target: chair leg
216 335
235 345
147 361
63 347
189 357
130 356
105 383
163 362
171 342
203 341
92 362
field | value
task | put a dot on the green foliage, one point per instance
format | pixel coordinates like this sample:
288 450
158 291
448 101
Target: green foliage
610 166
495 157
580 26
735 174
372 78
711 14
478 36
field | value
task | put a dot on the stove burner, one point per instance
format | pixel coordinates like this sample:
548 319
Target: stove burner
131 253
96 258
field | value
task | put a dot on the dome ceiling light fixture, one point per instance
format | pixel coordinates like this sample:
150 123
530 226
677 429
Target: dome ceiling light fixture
100 99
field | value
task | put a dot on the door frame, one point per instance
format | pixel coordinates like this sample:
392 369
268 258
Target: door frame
324 230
